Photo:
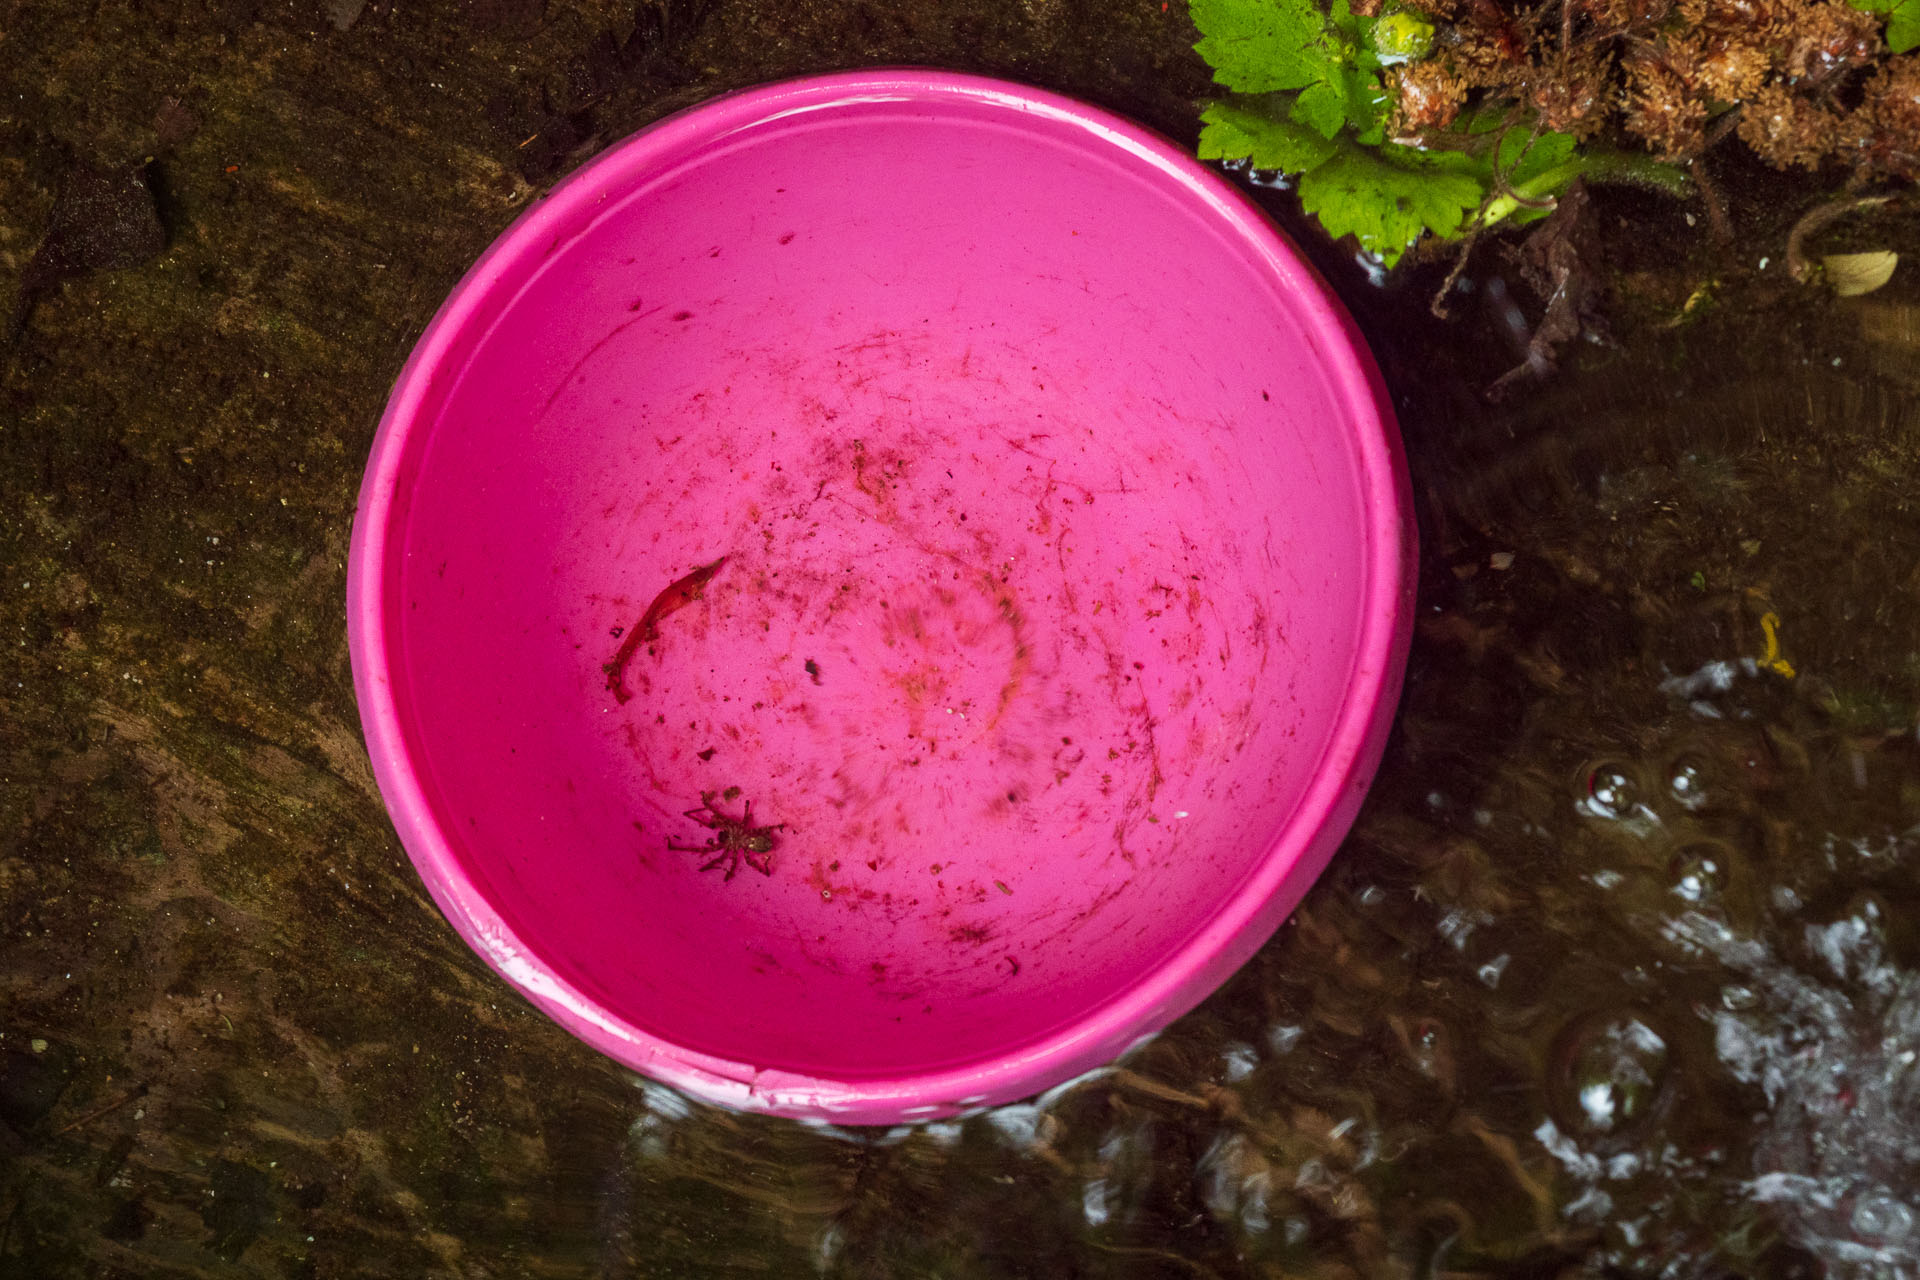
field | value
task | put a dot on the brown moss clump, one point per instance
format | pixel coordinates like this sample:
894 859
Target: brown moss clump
1663 110
1425 96
1830 39
1729 70
1802 82
1578 102
1892 111
1788 130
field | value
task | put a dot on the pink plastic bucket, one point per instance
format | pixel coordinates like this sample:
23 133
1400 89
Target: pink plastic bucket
964 478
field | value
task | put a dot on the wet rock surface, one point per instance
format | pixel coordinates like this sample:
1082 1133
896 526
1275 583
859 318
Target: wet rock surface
1613 972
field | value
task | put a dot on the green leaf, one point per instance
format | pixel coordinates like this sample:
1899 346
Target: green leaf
1312 103
1519 162
1259 46
1519 153
1903 28
1387 197
1239 131
1349 27
1367 108
1322 108
1366 101
1903 21
1345 98
1483 119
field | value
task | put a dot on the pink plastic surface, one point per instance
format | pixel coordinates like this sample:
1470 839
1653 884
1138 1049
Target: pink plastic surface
1064 606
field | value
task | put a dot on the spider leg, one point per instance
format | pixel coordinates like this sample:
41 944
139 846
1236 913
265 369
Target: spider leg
708 847
762 862
723 856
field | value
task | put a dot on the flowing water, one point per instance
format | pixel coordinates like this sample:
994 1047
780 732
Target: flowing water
1618 974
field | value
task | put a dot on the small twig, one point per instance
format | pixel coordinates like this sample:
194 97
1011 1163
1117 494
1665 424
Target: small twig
1719 225
1501 189
1723 124
1438 307
1814 220
138 1091
1154 1089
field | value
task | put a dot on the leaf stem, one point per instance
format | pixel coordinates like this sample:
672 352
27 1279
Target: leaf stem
1595 166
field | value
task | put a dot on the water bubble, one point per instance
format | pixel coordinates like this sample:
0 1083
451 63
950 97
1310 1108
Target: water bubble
1609 1069
1854 945
827 1246
944 1134
1687 782
1698 872
1881 1219
1237 1181
1254 1215
663 1101
1870 909
1096 1202
1022 1125
1611 790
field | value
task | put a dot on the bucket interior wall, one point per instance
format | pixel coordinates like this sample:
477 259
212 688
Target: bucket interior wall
1039 581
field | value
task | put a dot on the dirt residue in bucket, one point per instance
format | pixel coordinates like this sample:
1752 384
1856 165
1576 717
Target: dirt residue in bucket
676 596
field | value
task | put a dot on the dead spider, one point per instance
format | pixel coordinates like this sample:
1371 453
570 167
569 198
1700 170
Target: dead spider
733 838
